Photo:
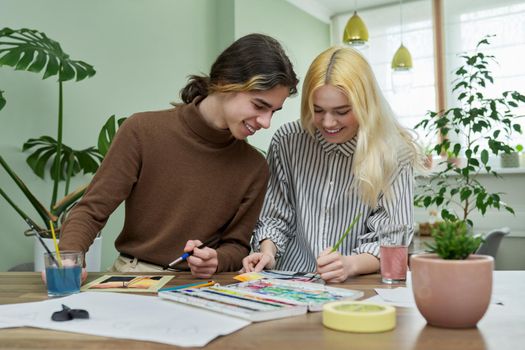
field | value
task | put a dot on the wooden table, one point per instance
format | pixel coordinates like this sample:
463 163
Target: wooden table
503 327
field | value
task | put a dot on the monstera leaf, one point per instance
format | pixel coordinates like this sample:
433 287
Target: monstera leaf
2 100
107 133
71 161
32 51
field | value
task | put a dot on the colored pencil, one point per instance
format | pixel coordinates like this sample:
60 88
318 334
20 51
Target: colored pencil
336 246
191 285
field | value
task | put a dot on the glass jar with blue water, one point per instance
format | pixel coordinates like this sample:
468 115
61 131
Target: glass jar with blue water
63 272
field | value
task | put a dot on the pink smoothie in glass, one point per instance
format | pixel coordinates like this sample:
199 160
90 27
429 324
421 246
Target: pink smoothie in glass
394 261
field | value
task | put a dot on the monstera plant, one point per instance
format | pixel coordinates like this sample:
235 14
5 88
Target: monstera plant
33 51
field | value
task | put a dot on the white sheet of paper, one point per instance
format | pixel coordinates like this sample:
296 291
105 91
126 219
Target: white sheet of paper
401 296
126 316
6 322
404 297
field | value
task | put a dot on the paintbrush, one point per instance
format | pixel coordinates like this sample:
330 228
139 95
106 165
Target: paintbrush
42 242
185 256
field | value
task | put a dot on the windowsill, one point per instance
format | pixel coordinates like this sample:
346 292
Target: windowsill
483 231
439 165
520 170
500 171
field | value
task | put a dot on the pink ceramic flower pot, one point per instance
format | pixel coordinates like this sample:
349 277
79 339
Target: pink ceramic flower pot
452 293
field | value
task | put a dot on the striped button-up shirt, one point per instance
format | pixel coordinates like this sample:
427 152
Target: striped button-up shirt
310 200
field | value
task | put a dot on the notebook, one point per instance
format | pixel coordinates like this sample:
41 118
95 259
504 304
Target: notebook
263 299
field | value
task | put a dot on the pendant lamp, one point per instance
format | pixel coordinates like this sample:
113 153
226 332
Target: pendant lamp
402 59
355 33
401 63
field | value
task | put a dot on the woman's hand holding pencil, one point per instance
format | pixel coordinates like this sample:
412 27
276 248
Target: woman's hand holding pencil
334 267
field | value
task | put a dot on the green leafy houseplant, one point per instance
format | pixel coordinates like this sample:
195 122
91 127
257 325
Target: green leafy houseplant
480 126
32 51
485 124
452 240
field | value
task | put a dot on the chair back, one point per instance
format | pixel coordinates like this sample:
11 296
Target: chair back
492 242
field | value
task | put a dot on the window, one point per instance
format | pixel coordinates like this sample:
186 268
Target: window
467 21
384 28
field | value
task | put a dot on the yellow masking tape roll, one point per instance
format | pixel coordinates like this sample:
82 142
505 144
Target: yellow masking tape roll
359 317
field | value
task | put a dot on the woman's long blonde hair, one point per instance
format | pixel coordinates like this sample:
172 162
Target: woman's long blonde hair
382 143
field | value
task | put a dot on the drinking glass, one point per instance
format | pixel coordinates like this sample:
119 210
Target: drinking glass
393 243
63 277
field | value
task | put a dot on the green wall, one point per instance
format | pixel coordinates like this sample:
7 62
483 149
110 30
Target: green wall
142 51
302 35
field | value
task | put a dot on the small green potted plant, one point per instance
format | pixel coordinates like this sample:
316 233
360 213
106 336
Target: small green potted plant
452 241
452 286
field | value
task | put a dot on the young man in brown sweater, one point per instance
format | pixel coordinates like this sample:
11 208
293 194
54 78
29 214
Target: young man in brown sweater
186 174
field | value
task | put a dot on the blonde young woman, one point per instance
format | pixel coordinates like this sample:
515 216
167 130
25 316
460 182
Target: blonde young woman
347 155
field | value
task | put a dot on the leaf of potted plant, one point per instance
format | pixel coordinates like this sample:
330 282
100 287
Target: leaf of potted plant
2 99
452 286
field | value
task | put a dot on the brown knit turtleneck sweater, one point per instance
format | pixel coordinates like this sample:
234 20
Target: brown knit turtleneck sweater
181 179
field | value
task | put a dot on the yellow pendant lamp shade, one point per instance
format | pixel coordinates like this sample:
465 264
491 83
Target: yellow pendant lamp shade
402 59
355 33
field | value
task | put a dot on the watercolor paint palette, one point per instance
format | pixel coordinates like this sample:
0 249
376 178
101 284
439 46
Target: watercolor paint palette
312 295
263 299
